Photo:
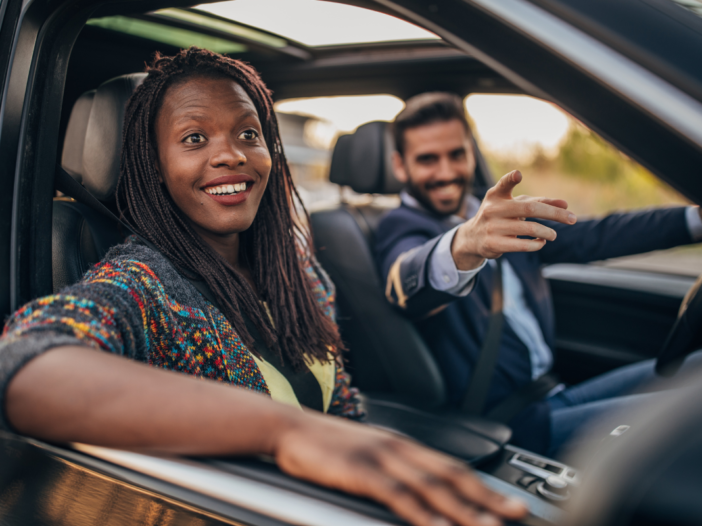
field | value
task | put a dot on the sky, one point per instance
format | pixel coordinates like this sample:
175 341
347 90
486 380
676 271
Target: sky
505 124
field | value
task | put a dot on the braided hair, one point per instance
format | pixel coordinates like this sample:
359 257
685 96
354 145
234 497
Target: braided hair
297 325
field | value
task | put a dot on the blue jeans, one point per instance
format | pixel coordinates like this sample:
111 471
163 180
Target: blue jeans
575 407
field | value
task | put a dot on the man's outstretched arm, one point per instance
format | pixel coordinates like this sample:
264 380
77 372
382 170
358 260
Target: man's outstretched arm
498 227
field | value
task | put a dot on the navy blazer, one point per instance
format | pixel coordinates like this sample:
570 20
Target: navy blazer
456 332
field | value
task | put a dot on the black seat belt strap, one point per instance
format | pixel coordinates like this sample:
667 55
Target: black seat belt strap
474 399
66 184
517 401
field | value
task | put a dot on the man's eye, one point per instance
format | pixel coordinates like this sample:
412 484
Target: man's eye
195 138
248 135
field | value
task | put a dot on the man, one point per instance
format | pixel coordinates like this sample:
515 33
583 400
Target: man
437 253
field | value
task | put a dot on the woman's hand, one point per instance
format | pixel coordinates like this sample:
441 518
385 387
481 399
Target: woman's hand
422 486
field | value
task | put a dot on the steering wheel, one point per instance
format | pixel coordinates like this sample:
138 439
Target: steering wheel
686 334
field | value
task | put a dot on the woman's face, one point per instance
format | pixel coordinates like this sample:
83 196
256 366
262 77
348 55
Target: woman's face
212 156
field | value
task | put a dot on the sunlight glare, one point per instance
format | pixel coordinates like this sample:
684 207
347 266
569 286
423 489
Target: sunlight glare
345 113
517 125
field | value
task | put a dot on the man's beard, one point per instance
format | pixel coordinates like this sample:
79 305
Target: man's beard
419 193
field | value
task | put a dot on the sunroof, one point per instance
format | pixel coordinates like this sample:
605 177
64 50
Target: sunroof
318 23
174 36
223 26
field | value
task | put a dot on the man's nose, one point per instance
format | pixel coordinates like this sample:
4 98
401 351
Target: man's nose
445 170
228 154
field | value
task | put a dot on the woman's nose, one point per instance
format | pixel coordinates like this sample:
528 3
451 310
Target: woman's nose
228 154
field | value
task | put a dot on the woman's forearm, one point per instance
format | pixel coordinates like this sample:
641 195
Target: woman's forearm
76 394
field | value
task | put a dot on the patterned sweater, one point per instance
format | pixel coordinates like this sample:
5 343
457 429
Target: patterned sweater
135 304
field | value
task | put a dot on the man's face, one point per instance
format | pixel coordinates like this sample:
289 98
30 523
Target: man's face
437 166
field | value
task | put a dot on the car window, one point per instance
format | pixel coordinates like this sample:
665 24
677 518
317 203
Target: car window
309 128
561 157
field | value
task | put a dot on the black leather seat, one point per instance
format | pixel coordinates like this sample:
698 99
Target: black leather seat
387 355
80 236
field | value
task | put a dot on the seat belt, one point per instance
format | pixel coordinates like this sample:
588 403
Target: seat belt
65 183
532 392
474 399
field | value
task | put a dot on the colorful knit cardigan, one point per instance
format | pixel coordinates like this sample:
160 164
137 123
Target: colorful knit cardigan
134 303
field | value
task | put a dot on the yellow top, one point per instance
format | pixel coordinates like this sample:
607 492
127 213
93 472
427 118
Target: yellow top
282 391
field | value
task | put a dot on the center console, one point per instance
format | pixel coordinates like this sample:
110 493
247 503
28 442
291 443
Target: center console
545 484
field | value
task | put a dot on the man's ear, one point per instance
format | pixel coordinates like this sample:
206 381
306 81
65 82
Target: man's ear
398 167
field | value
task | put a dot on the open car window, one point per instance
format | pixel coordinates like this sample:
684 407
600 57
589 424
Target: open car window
309 129
559 156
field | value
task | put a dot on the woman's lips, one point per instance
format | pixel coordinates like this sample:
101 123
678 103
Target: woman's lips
227 180
234 199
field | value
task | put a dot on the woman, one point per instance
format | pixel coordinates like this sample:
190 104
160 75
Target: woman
206 185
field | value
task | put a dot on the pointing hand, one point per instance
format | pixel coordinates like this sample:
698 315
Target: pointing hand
501 220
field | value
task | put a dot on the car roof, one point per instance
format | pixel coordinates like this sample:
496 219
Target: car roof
289 68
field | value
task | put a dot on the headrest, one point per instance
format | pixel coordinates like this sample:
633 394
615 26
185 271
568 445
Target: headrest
72 158
103 135
363 160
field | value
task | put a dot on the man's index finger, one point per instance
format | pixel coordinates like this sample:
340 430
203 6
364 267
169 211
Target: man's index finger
506 184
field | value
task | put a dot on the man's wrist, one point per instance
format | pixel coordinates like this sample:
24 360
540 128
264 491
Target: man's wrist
464 258
467 262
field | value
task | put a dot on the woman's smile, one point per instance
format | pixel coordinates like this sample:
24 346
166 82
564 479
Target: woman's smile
230 190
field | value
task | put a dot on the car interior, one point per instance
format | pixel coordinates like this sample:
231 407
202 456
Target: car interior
629 314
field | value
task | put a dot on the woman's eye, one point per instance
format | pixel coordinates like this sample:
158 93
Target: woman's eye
195 138
249 135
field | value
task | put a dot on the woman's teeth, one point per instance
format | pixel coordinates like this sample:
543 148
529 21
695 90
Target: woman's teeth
226 189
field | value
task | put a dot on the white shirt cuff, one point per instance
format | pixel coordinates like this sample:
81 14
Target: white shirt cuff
443 274
694 223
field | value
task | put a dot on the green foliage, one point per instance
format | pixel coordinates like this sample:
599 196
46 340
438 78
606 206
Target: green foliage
593 176
585 154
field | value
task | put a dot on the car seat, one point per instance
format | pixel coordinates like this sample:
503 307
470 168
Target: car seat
81 236
387 357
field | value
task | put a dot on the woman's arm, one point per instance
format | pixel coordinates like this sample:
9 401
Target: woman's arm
74 394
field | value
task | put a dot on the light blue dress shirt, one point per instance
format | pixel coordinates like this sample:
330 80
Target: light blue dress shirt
444 276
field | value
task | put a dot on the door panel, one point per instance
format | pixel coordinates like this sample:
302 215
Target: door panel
39 488
606 318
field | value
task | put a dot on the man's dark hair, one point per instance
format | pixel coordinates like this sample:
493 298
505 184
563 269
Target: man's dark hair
274 244
427 108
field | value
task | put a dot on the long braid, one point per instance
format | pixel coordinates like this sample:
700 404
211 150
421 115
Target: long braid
270 245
